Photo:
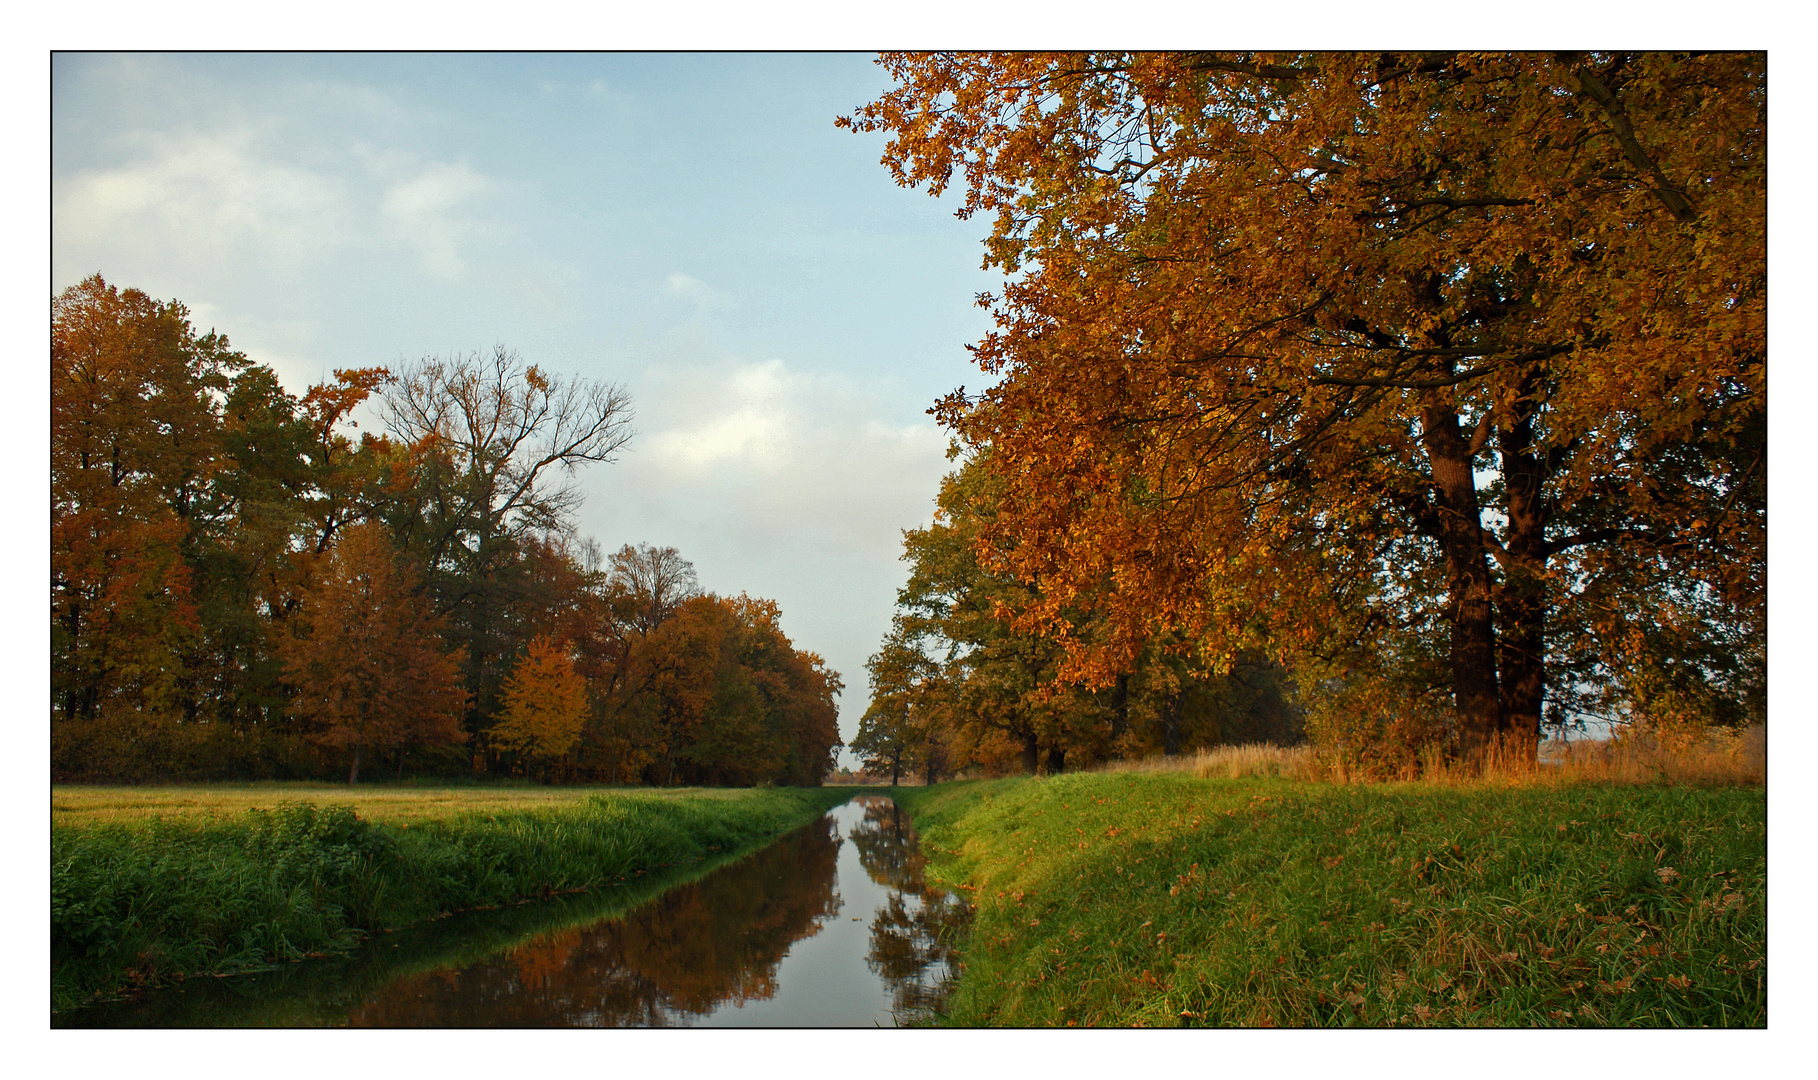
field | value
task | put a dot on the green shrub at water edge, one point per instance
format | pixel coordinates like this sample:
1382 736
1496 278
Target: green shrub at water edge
145 903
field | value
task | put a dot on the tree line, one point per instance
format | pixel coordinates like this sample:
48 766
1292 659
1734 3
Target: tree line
240 588
956 686
1437 379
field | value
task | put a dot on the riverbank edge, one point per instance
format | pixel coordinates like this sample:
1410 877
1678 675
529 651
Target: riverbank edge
1168 900
155 901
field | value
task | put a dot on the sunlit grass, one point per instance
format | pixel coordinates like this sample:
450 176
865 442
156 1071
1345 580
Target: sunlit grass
73 804
1165 899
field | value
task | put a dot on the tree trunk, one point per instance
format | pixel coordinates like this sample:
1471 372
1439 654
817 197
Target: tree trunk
353 774
1031 753
1171 725
1521 604
1057 761
1459 528
1120 709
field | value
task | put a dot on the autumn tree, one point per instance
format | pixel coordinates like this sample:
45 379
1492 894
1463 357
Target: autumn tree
491 448
545 704
236 578
365 654
730 700
285 481
898 731
655 580
993 684
1296 351
696 688
134 440
188 499
956 681
796 689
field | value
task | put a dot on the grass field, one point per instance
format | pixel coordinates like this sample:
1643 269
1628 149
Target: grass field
1169 899
150 885
93 805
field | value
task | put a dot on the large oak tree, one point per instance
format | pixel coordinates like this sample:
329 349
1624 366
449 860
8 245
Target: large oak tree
1305 349
493 445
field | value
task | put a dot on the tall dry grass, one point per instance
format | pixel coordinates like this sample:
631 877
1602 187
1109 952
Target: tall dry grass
1717 757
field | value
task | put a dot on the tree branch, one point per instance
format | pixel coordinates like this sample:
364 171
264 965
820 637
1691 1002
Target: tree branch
1261 71
1545 352
1589 86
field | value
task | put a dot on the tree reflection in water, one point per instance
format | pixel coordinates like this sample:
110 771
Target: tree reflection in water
698 947
915 935
758 942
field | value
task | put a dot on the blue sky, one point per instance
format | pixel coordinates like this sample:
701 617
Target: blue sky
692 226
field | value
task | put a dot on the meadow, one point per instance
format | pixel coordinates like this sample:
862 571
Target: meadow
1190 896
153 885
392 803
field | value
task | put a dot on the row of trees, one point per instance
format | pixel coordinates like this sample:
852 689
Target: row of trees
1439 377
239 588
956 685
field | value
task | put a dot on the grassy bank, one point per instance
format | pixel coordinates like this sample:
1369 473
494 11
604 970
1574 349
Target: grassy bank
324 992
146 898
1164 899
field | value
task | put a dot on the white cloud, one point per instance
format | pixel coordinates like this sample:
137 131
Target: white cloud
801 462
743 417
694 290
596 93
425 211
197 196
231 198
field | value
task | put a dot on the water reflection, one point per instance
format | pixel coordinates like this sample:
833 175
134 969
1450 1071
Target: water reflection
915 935
808 932
698 948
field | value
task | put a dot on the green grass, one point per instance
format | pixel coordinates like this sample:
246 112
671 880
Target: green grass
1136 899
145 899
323 992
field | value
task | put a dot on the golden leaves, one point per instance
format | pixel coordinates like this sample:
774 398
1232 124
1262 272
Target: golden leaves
1238 291
545 702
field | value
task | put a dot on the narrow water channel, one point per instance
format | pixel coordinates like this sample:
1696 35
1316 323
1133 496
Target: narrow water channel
830 926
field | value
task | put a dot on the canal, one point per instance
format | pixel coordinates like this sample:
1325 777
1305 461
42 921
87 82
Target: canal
832 925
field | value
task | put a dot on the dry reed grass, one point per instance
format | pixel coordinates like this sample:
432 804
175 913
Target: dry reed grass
1718 757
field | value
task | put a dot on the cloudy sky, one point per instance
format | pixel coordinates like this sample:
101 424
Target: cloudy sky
691 226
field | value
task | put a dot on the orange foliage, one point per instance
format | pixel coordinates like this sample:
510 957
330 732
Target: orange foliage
545 704
132 443
366 655
1293 348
